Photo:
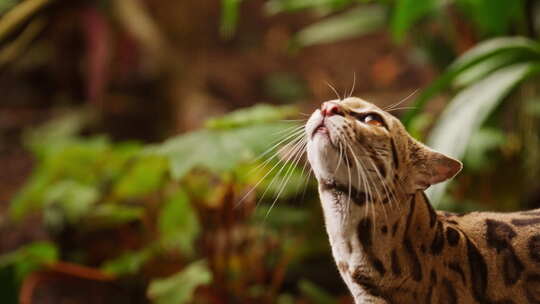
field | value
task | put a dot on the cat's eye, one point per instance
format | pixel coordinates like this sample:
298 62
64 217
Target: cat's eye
373 119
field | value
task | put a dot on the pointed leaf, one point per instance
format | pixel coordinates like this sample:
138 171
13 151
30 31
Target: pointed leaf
468 110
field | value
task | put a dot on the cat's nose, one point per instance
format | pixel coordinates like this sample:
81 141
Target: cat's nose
330 108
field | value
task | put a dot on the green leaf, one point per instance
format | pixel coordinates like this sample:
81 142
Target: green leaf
494 17
467 111
485 67
30 258
72 199
179 288
144 176
5 5
406 13
218 150
107 215
258 114
229 17
325 6
352 23
178 223
128 263
485 50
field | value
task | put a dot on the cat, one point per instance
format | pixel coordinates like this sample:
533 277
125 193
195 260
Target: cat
389 244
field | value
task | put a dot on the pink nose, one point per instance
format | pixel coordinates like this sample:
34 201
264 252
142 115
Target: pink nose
330 108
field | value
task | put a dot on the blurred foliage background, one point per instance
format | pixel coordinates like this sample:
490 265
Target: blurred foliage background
131 135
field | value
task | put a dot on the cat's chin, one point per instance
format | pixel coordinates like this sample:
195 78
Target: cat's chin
322 156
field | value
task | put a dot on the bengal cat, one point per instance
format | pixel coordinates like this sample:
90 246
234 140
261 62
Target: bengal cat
389 245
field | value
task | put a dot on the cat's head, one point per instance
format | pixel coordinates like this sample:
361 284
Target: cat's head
354 141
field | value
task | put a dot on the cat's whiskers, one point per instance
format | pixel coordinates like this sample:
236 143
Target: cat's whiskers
333 89
353 84
392 106
289 155
295 135
298 154
299 138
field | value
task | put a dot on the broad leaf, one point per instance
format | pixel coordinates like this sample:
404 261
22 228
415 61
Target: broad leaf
30 258
406 13
513 46
353 23
128 263
236 138
468 110
178 223
179 288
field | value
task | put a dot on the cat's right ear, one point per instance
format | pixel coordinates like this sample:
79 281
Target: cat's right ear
429 167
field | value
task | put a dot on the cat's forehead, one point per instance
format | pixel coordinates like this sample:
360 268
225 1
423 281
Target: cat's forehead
358 104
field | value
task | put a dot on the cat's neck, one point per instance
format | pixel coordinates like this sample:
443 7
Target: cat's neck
374 239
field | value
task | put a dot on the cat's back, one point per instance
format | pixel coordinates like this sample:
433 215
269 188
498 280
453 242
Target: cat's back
503 252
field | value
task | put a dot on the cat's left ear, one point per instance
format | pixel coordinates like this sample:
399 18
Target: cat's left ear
430 167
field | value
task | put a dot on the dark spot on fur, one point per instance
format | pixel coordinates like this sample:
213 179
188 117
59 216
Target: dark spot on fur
416 268
429 295
358 197
438 241
532 288
394 228
499 234
526 222
384 229
411 212
454 266
451 296
364 232
343 267
378 265
380 168
432 213
433 276
365 237
512 267
477 272
452 235
349 246
396 267
534 247
395 157
367 284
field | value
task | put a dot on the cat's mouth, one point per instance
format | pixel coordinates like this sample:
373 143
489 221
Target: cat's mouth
322 129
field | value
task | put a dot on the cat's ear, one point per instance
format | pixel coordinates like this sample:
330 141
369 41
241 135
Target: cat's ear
430 167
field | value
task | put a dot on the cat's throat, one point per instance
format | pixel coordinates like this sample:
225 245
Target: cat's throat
376 242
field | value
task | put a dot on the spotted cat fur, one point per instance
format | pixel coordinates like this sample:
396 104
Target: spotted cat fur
389 244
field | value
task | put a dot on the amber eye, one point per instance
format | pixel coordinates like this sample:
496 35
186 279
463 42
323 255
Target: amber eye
373 119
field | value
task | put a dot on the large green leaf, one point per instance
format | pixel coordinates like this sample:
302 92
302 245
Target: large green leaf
352 23
511 46
128 263
406 13
178 223
224 146
468 110
30 257
494 17
179 288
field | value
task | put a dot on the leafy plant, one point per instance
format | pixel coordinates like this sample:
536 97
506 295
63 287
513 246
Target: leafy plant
91 183
484 77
